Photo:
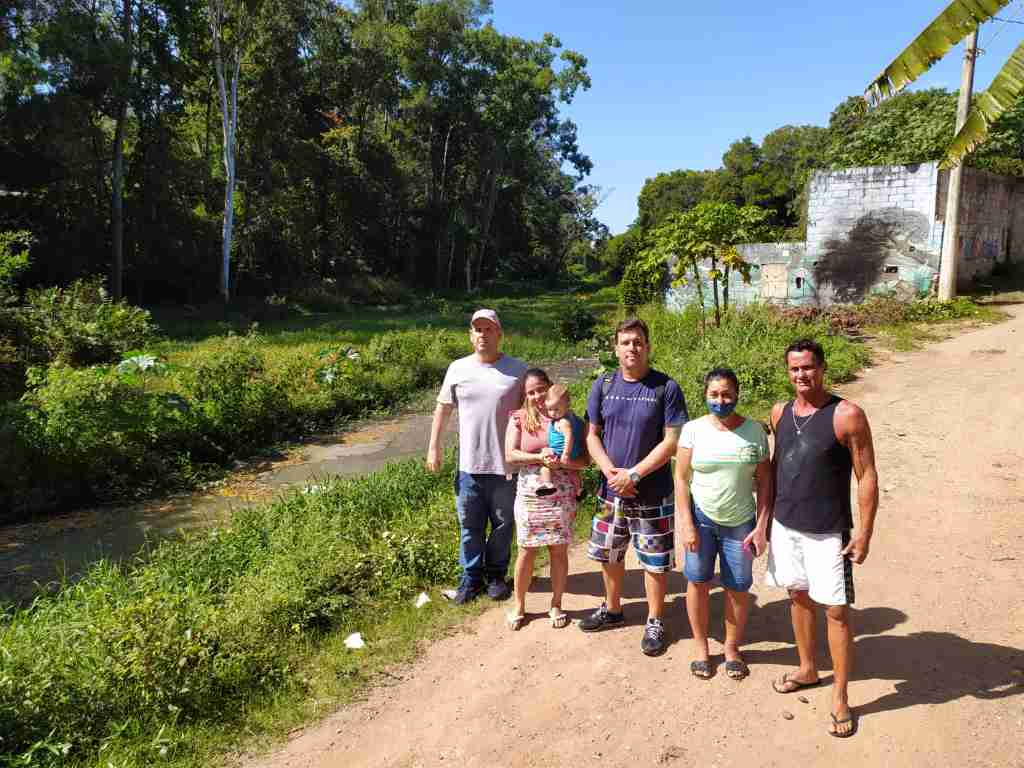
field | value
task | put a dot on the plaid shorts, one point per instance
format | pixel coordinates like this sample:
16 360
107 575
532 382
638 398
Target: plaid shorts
650 528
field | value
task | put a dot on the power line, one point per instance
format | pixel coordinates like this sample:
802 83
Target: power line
999 30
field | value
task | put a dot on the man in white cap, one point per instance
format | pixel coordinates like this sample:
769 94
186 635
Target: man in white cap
486 387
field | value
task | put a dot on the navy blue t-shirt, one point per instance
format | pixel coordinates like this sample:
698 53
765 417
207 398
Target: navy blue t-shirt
634 424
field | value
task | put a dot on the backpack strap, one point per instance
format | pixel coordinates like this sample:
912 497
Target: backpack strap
606 385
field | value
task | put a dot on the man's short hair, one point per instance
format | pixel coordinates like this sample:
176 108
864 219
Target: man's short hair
633 324
806 345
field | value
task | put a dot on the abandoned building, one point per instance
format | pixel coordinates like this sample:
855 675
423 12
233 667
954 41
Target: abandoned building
879 230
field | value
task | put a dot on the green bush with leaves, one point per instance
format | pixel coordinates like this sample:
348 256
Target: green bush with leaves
80 324
204 624
751 341
103 433
642 282
238 405
578 322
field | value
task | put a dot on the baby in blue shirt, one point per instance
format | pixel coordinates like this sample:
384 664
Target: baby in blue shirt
565 434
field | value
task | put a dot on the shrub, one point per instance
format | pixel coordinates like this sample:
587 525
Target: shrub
751 341
641 283
884 310
578 322
102 431
79 325
238 405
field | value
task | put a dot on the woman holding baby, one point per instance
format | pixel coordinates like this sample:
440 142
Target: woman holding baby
549 482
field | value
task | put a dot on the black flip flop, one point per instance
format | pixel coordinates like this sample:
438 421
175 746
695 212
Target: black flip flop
836 722
736 669
701 669
787 679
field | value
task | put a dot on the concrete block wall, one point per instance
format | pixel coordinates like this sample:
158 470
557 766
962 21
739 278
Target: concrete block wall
772 278
988 214
874 228
880 229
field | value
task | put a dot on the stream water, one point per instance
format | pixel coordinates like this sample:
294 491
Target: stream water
41 555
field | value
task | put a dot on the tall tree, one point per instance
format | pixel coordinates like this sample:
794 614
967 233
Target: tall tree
230 34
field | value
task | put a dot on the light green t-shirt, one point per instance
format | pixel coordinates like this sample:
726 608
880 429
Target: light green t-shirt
723 462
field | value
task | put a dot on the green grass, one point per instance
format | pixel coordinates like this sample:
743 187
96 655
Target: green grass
529 324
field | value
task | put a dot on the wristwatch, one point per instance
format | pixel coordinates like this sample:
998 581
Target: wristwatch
634 476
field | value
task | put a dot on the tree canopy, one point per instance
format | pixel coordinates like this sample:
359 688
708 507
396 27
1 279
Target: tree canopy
403 138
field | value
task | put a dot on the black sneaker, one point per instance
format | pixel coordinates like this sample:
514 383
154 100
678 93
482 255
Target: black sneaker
653 643
468 591
498 589
600 619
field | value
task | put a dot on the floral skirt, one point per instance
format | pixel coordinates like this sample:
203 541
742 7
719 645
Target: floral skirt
544 521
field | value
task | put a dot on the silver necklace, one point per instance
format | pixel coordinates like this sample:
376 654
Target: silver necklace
801 427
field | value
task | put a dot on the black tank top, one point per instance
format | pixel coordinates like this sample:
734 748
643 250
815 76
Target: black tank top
812 473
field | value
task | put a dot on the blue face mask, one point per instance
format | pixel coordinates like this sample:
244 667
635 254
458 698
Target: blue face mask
721 410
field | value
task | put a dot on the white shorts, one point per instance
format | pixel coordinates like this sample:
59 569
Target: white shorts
811 562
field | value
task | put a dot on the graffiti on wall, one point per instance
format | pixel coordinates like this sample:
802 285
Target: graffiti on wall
853 264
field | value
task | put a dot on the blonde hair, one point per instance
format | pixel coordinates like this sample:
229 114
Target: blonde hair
531 417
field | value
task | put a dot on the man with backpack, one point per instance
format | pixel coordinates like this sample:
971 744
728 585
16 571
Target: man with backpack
635 417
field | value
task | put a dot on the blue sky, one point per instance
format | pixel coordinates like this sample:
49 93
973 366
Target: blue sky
674 83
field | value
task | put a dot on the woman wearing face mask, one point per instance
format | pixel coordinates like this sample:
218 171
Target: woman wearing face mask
721 460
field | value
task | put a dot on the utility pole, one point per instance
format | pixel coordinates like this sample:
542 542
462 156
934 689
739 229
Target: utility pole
951 231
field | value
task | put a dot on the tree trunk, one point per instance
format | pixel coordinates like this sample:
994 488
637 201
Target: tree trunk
229 123
488 213
714 287
725 291
117 206
699 281
438 203
117 165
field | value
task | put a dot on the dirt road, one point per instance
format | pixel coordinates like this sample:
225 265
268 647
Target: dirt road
939 625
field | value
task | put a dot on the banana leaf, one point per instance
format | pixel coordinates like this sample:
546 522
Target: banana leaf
1002 93
949 28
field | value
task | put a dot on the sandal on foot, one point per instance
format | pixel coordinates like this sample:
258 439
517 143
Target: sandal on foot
515 621
836 722
701 669
788 685
558 617
736 669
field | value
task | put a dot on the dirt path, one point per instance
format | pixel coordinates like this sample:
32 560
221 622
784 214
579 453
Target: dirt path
62 547
939 625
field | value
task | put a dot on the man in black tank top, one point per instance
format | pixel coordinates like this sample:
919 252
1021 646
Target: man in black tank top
819 440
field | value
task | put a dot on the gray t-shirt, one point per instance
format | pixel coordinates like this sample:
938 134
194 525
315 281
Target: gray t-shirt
485 394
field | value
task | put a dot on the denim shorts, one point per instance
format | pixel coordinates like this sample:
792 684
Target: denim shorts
724 543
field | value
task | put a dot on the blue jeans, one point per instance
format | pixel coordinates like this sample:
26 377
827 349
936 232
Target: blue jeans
725 543
479 500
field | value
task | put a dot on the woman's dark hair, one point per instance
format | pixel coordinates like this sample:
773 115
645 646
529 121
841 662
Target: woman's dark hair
806 345
728 374
537 373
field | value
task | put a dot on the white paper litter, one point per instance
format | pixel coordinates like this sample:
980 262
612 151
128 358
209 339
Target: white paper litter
355 641
448 594
422 600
